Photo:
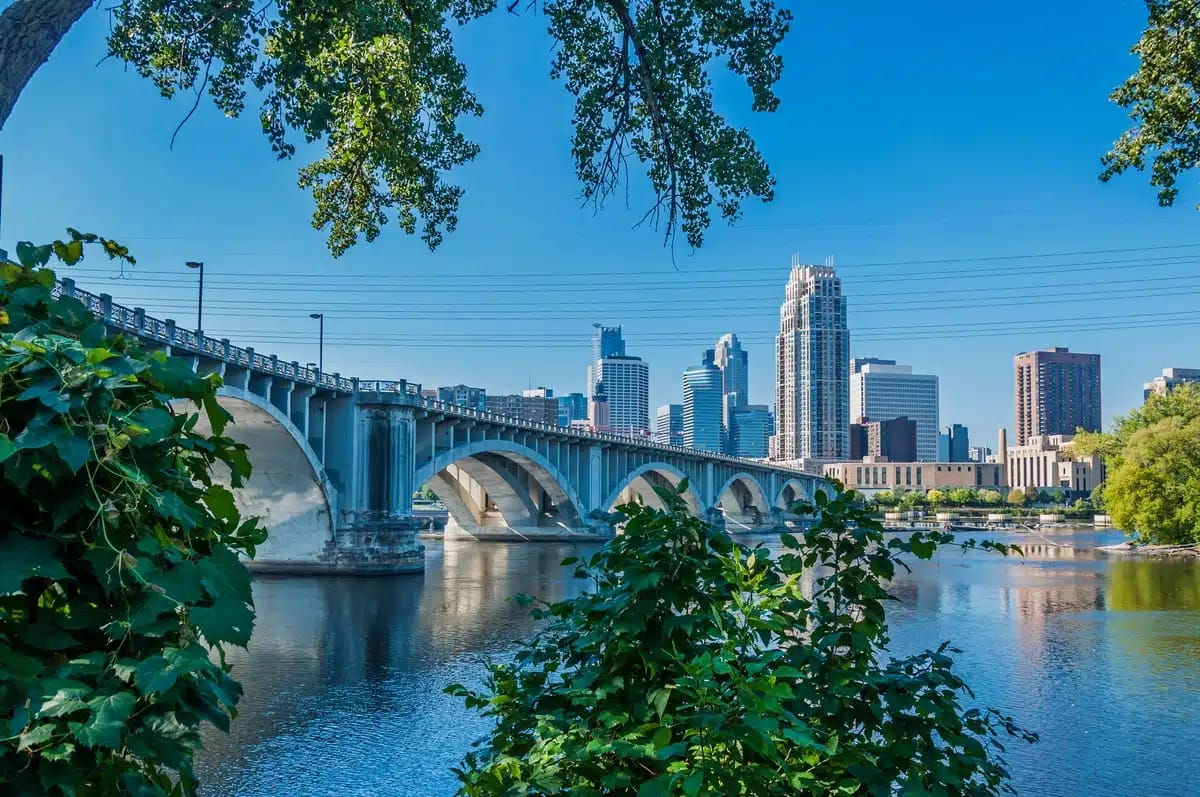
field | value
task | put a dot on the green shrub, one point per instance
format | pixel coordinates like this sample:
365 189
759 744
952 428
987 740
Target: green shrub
119 572
697 666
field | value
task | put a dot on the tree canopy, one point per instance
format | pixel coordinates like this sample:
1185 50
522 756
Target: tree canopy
1153 465
1162 100
380 84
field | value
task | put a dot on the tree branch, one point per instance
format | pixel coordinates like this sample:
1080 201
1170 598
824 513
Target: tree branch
658 117
29 32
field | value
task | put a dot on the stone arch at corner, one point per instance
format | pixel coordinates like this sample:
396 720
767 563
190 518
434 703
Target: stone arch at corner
482 470
643 480
288 489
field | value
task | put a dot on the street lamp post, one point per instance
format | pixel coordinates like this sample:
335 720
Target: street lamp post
200 302
321 342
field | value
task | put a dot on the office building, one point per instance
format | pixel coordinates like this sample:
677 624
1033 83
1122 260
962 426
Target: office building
857 363
734 362
463 396
953 444
1056 392
978 453
1171 378
606 342
893 440
749 431
627 386
870 477
702 408
572 407
1045 462
599 417
812 354
668 426
537 405
882 389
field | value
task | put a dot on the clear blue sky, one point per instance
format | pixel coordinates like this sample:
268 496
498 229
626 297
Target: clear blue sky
934 132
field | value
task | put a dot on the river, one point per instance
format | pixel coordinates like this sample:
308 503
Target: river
343 677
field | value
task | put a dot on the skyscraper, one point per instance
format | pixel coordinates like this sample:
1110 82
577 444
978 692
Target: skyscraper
668 427
572 407
812 352
749 431
627 383
1056 392
953 444
881 390
734 362
702 398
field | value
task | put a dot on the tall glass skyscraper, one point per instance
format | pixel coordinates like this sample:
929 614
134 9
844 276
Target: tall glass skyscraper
734 362
702 399
749 430
812 386
881 390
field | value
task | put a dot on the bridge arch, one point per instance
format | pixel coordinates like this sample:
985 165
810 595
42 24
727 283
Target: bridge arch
792 490
641 483
490 483
743 501
288 489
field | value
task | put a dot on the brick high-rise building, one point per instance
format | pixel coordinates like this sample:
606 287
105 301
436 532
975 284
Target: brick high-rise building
1056 392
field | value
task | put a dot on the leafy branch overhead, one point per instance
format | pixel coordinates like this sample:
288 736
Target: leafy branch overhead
1163 100
380 84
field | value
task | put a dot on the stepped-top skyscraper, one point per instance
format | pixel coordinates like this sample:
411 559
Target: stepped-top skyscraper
734 362
812 387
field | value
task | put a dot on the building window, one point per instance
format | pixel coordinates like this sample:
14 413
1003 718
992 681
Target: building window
919 469
908 475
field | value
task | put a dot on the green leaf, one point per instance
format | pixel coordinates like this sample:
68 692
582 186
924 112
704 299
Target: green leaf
7 447
694 782
37 735
227 620
74 449
152 425
153 676
24 557
107 723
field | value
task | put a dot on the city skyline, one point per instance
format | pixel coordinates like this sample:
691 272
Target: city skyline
951 274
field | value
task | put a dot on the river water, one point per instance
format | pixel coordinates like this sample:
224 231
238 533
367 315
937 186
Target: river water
343 677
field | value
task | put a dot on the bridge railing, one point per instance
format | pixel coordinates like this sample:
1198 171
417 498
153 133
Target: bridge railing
135 321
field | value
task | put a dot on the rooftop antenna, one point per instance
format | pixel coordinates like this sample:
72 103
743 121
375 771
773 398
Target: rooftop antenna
795 260
830 261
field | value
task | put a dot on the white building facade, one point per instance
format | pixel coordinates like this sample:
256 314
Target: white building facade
812 353
626 382
881 392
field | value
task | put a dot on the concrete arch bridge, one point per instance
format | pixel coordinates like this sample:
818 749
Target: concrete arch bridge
337 460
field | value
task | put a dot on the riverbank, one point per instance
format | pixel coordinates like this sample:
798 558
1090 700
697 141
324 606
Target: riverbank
1155 551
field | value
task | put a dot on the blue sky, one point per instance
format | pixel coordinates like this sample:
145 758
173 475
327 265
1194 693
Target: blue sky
931 150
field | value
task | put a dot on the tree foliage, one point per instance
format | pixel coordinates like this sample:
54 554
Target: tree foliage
380 85
119 573
1152 459
697 666
1162 99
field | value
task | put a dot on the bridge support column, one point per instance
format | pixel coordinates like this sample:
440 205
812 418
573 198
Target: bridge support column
380 535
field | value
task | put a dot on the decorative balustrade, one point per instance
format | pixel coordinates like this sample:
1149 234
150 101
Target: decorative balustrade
166 332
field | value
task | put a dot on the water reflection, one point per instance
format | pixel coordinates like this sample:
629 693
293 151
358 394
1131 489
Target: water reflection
343 678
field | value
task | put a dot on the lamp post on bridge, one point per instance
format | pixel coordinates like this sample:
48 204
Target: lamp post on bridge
200 301
320 342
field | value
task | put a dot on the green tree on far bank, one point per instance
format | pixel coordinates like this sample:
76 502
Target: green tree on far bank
935 497
1152 460
1017 497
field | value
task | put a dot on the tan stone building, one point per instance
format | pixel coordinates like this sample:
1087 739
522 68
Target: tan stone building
1045 462
870 476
